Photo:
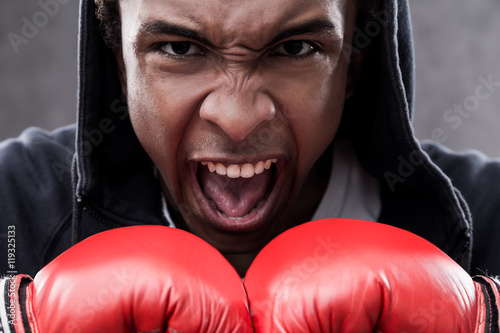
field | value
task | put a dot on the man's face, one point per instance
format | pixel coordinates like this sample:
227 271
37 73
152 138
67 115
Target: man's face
235 101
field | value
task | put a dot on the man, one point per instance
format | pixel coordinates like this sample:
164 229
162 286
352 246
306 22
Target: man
236 121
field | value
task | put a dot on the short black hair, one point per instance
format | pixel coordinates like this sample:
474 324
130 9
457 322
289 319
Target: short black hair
109 16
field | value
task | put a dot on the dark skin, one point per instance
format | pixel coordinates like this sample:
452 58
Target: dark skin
240 84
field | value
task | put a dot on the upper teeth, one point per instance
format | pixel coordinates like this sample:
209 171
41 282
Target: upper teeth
247 170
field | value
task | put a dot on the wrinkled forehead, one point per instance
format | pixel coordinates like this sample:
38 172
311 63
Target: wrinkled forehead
229 20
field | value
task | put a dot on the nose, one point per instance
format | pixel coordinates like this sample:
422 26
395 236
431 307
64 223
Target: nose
238 111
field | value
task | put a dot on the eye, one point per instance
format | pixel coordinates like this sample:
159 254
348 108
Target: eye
181 48
294 48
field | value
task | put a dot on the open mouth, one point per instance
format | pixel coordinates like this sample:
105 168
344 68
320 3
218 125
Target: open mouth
238 197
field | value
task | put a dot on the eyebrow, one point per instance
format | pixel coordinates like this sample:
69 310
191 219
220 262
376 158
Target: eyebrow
310 27
159 27
165 28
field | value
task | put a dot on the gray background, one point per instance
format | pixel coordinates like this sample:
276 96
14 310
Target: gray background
456 41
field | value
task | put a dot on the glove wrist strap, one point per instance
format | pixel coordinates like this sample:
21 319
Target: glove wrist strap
490 288
12 303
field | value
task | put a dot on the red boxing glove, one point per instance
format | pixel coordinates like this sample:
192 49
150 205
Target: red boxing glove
135 279
354 276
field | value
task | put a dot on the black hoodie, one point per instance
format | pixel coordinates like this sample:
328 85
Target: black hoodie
58 188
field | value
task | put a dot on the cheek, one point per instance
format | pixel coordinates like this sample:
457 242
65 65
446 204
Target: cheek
161 110
153 120
315 130
314 115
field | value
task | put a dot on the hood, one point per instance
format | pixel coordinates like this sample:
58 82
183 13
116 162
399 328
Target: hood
111 170
114 179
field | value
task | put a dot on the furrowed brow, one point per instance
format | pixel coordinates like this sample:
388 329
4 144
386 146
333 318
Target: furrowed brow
311 27
165 28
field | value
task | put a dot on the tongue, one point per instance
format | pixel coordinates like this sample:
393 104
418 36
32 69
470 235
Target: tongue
234 197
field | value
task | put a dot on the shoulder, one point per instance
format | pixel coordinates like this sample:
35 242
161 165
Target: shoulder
38 155
36 190
470 171
477 177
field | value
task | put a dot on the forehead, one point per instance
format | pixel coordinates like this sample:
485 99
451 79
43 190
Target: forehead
229 20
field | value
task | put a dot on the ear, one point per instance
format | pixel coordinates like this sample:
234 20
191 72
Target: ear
122 73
